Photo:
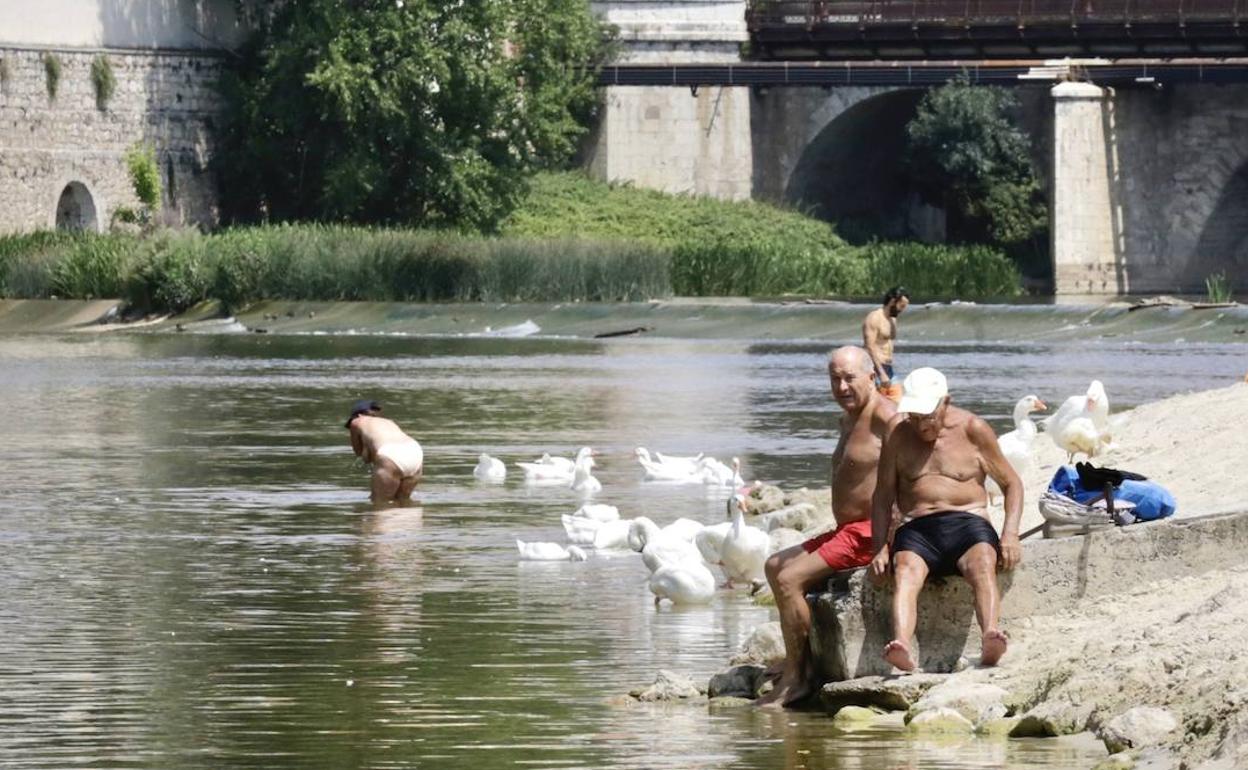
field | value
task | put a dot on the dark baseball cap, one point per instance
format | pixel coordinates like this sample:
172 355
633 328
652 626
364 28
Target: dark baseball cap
363 406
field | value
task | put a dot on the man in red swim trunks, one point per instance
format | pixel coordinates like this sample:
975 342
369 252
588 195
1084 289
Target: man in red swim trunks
866 422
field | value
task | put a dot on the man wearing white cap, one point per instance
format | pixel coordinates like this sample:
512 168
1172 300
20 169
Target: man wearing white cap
933 467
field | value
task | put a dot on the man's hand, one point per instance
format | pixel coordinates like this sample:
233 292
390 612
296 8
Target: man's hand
1011 552
878 569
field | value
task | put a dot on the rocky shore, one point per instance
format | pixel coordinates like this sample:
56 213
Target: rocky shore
1153 669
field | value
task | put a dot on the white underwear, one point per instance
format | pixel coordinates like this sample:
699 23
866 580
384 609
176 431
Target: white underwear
406 455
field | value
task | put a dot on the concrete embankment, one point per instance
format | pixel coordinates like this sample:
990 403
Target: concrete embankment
710 318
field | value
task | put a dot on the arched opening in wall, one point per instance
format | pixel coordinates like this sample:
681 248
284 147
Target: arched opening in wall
853 173
75 210
1223 244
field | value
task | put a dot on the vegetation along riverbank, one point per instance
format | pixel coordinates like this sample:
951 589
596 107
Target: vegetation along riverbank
571 239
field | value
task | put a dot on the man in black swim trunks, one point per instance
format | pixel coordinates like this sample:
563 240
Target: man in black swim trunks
933 466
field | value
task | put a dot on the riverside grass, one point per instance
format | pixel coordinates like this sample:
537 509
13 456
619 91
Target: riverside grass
629 245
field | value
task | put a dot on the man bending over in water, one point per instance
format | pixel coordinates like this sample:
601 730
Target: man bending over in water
866 421
397 459
933 467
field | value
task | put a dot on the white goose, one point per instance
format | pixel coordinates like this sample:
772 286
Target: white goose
580 531
549 552
683 528
1016 445
716 473
582 480
658 547
613 535
554 469
597 512
1093 406
710 541
661 467
745 549
489 469
685 583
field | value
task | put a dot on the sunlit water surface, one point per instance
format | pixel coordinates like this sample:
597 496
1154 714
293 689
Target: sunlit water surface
193 579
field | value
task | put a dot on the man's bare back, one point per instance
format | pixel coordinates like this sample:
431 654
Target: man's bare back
397 458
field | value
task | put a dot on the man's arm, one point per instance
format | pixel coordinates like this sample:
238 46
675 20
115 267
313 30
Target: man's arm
871 340
996 466
882 503
357 444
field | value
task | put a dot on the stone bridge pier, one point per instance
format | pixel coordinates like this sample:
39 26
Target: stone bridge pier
678 140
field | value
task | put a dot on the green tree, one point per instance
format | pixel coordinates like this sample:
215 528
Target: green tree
967 154
423 112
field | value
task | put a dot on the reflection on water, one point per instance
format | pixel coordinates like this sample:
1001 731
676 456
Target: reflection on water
193 577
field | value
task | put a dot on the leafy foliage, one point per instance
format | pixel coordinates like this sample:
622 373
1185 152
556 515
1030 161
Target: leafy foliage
144 178
103 80
968 155
424 112
52 73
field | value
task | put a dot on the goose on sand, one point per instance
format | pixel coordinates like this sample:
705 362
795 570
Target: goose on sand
489 468
1092 406
1016 445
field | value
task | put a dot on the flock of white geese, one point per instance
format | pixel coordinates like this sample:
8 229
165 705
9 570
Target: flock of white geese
680 556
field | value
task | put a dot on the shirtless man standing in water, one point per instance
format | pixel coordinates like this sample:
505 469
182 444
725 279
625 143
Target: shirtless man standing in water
866 420
879 332
396 457
933 467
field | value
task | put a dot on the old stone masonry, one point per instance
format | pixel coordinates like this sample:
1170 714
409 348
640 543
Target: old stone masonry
81 83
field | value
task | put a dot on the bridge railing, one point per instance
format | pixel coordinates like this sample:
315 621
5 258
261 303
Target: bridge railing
968 13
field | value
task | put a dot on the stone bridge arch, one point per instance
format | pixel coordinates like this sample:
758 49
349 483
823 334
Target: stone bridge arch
839 154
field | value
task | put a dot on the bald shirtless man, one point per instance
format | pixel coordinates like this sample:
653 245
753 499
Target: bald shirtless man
932 468
396 457
792 572
879 333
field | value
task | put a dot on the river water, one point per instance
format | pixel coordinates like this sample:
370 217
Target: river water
193 578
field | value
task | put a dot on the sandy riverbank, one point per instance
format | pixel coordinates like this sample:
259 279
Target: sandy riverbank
1193 444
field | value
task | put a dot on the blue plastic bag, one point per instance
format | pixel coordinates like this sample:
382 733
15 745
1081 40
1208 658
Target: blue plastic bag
1152 501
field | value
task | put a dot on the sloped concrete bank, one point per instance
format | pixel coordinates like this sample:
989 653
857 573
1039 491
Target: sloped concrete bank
703 317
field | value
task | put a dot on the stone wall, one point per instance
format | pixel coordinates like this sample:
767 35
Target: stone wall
166 99
675 139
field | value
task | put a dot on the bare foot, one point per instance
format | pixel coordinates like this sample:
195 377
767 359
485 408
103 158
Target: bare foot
897 653
785 693
994 644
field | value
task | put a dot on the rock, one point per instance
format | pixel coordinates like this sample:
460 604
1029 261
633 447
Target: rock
854 716
1136 728
784 537
892 693
763 647
1123 760
738 682
999 726
941 721
1051 719
764 499
801 517
975 701
668 685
